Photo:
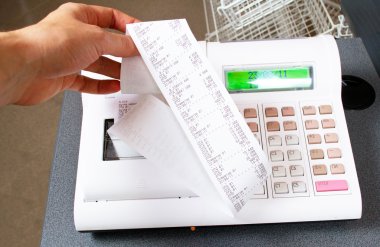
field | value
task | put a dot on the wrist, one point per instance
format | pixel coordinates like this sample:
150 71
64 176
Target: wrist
17 64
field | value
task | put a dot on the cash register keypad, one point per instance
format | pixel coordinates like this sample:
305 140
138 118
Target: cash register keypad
303 147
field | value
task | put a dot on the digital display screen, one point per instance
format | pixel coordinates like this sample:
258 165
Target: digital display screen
259 80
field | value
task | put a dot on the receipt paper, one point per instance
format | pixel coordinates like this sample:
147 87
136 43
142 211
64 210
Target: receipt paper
215 129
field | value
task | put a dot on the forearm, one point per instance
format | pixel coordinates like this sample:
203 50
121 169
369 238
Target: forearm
17 64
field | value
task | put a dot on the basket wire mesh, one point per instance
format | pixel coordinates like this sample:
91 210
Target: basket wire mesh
342 29
266 19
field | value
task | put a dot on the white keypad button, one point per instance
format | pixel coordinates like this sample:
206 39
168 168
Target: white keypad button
259 190
296 170
294 155
276 155
281 188
299 187
278 171
291 140
258 138
274 140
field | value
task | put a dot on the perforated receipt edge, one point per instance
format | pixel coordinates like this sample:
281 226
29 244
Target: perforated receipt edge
205 111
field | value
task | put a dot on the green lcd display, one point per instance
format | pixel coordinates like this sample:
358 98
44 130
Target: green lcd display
278 79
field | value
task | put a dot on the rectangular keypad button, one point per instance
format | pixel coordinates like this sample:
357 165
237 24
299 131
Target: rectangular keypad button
281 188
274 140
258 138
290 125
309 110
311 124
319 170
278 171
271 112
294 155
325 109
299 187
276 155
334 153
296 170
331 185
250 113
314 139
331 138
259 190
337 169
291 140
273 126
316 154
253 126
328 123
287 111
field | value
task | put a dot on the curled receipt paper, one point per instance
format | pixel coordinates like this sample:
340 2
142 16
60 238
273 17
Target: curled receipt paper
202 137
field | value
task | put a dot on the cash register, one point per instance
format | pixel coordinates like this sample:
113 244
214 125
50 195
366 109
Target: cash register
289 93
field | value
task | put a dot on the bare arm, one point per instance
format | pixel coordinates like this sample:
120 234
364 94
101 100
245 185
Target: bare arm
41 60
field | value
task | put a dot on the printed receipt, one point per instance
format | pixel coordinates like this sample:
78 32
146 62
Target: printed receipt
228 151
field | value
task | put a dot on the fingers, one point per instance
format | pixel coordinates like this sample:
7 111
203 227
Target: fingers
115 44
109 18
102 16
105 66
85 84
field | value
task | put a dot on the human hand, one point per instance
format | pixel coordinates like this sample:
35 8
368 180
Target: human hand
44 59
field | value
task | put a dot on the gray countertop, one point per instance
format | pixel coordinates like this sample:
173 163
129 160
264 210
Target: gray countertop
364 129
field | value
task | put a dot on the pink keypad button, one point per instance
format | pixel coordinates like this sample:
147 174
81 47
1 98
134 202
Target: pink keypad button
331 185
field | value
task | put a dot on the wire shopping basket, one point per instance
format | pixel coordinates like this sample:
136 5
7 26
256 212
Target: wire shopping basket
265 19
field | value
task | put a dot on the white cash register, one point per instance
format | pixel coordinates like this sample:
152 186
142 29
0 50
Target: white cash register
289 92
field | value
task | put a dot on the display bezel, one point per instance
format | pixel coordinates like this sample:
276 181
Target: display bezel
230 68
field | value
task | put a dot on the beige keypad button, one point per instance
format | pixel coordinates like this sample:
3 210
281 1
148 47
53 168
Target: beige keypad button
274 140
299 187
291 140
287 111
319 170
278 171
337 169
276 155
294 155
253 126
314 139
316 154
331 138
311 124
250 113
296 170
290 125
281 188
271 112
273 126
325 109
328 123
309 110
334 153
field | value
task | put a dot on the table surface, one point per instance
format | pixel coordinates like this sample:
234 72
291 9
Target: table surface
364 129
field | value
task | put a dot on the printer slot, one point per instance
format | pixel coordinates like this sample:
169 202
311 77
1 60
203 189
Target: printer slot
115 149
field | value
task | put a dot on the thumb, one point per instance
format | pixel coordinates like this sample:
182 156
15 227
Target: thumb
118 45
